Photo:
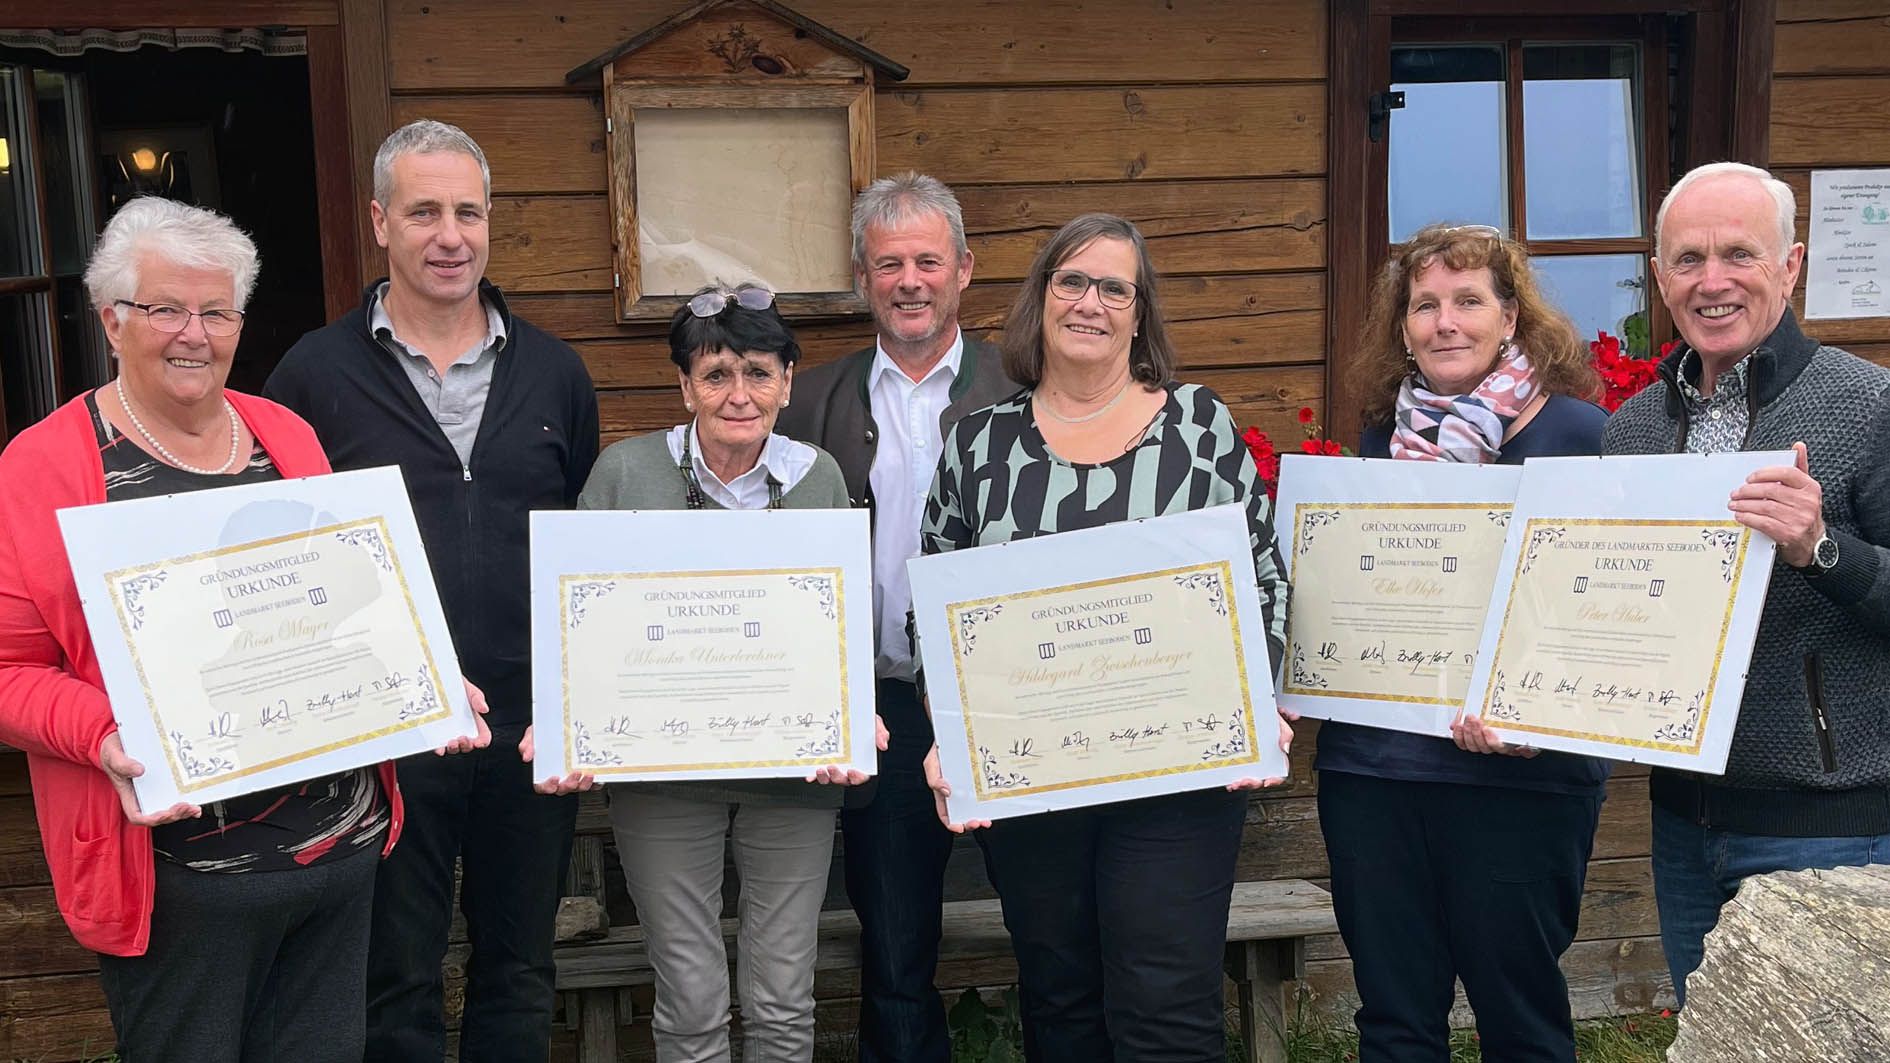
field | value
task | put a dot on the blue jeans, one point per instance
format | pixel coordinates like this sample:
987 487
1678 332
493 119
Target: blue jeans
1697 869
895 854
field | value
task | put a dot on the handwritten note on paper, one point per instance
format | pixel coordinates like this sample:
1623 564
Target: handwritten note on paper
1849 245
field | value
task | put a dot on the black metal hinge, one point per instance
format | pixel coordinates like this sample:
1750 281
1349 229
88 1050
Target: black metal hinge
1379 109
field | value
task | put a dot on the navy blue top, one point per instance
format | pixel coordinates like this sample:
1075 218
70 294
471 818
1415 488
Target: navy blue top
1564 427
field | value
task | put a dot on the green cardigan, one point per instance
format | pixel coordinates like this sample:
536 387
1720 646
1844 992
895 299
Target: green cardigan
640 474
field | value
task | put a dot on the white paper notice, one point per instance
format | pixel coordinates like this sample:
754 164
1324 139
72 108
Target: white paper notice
1849 244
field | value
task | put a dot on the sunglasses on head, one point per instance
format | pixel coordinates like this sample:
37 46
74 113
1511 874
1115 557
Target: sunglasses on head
716 300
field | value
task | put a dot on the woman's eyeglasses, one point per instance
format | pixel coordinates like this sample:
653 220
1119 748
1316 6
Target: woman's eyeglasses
173 319
1071 285
716 300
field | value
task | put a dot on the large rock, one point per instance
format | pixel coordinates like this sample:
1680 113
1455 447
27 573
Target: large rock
1797 970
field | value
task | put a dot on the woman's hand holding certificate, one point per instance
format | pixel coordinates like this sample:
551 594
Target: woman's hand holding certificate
259 635
701 645
1057 679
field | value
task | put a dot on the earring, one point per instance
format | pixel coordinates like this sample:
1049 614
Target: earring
690 406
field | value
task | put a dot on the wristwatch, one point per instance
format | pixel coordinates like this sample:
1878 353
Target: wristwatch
1824 556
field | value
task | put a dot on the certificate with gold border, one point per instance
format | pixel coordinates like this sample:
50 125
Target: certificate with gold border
702 644
265 634
1392 563
1097 665
1625 609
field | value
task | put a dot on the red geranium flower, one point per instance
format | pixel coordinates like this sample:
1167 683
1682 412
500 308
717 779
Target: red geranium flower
1306 415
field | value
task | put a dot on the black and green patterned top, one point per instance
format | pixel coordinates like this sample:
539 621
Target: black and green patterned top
998 481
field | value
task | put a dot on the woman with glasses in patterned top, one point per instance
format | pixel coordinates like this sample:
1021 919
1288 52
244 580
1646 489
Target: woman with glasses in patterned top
734 358
1118 912
1465 860
236 930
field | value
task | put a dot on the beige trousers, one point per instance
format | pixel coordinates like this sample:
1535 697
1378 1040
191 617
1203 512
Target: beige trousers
672 856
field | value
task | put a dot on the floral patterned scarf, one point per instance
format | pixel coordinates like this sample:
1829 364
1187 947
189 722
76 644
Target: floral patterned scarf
1469 428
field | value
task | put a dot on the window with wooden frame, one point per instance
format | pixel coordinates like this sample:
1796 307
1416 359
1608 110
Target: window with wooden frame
1555 134
1563 128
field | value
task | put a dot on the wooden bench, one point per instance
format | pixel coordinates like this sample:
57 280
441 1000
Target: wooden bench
1267 927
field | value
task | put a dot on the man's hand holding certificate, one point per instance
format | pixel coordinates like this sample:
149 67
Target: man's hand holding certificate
1625 609
1097 665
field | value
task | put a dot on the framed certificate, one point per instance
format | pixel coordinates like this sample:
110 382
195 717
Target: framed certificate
1625 608
260 635
1392 564
1097 665
703 644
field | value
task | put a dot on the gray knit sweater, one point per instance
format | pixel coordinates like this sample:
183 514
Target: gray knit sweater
640 474
1811 753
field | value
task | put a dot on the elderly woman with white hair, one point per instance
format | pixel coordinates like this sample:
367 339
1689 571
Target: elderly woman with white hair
233 931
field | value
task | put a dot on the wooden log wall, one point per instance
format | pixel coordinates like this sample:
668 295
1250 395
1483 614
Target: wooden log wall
1831 110
1204 122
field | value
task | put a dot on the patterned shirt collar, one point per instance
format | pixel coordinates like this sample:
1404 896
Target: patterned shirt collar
1716 423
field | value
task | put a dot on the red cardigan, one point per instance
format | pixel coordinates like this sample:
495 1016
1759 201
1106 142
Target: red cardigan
52 697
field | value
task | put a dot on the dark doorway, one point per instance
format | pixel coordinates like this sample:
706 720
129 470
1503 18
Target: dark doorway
157 114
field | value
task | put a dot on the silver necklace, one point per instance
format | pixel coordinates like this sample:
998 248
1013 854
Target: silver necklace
1090 416
164 452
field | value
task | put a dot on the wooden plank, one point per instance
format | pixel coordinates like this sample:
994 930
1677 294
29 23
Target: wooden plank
562 243
1757 24
338 216
1832 37
1104 134
1270 398
37 939
556 144
59 1017
1611 977
494 44
364 23
14 779
1233 226
22 862
535 144
550 244
209 14
1213 321
973 930
1832 121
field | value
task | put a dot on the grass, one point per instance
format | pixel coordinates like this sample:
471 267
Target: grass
1623 1039
989 1031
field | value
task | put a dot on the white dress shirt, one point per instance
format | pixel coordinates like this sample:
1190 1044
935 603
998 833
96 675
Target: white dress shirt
787 460
904 461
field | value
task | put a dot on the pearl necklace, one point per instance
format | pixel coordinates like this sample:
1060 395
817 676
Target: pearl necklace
163 452
1090 416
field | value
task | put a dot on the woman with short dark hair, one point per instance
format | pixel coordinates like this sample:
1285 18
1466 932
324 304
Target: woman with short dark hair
734 358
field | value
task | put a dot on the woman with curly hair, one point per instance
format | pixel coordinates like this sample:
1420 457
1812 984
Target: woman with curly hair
1465 860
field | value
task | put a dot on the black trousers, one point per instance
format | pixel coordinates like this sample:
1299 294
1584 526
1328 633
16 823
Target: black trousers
1118 916
895 851
513 845
256 967
1434 882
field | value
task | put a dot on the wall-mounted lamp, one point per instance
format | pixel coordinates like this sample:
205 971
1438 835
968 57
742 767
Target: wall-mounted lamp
144 160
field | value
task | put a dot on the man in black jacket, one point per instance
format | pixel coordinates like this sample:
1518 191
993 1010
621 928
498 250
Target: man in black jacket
488 419
882 412
1807 780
